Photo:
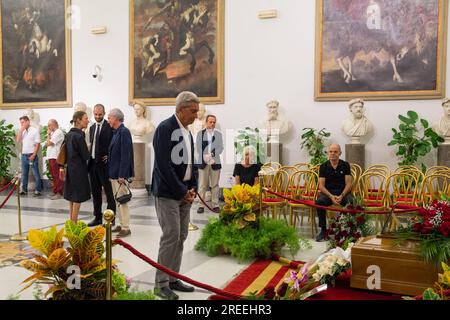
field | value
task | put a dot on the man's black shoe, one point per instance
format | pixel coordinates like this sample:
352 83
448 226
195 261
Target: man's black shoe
200 210
321 236
179 286
95 222
166 293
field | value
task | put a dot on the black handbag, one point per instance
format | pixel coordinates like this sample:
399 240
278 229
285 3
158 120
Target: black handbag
125 197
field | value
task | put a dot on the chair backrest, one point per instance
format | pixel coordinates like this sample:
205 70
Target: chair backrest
356 171
372 188
274 165
304 185
403 189
413 170
289 169
314 168
433 186
436 170
280 182
302 166
382 168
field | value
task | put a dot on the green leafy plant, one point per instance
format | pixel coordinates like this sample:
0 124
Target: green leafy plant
51 266
248 243
47 172
414 138
135 295
314 142
7 145
250 137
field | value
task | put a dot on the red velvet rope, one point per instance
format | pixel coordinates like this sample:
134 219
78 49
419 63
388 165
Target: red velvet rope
8 196
6 186
176 275
306 203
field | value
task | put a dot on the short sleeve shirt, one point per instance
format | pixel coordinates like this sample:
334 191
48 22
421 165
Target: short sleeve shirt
30 138
335 178
57 139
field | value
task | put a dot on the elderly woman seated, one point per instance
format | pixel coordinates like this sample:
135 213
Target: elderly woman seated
247 171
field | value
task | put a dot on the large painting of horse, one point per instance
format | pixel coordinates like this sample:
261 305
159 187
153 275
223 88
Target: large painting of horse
35 54
176 45
380 49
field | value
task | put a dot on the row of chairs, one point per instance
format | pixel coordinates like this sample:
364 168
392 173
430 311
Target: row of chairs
377 187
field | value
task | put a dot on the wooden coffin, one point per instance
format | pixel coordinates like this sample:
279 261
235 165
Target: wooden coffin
401 269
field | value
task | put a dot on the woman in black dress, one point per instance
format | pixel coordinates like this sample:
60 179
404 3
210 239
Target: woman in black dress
247 171
76 185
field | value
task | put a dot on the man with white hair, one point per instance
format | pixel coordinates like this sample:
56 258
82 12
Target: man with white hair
120 166
55 138
174 187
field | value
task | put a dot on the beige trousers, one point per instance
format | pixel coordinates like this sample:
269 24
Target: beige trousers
209 177
124 217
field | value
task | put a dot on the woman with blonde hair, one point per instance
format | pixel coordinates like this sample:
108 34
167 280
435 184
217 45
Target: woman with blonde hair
247 171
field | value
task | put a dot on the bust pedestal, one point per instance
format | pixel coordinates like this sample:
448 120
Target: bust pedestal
274 151
356 153
139 166
444 155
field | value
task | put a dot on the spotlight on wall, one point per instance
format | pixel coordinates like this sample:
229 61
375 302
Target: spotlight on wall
97 74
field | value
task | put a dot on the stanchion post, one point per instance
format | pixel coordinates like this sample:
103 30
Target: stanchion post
261 188
108 215
19 236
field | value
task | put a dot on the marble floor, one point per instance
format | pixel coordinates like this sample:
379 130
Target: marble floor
42 213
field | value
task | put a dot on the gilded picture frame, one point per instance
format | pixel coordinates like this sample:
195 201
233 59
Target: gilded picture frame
380 49
176 46
35 54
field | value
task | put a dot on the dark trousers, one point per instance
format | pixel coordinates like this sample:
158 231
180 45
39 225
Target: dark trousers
98 174
324 200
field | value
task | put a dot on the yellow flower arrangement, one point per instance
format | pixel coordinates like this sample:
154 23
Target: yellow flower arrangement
241 203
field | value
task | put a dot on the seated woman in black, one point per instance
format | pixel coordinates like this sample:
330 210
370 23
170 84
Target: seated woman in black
247 171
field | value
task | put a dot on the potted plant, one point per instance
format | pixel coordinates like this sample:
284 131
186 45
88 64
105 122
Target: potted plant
7 145
47 172
414 138
314 142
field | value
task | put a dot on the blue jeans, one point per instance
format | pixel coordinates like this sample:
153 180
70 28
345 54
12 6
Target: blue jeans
26 164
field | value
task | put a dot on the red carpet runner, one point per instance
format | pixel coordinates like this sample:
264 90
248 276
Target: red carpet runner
266 273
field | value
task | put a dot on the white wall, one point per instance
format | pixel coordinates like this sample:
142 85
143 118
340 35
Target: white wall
264 60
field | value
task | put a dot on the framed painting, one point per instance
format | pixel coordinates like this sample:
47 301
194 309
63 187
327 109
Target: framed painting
380 49
35 54
176 45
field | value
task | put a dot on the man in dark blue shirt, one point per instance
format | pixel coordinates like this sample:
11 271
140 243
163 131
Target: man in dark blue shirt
335 185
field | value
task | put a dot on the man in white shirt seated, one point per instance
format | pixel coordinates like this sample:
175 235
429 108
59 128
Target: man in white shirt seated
55 138
30 139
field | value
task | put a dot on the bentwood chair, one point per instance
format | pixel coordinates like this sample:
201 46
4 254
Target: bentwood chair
356 171
437 170
279 184
434 186
305 184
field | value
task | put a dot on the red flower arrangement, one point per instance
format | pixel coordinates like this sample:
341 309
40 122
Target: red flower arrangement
434 218
347 228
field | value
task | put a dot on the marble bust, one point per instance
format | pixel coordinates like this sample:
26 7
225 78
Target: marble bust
81 106
34 118
443 126
274 125
140 127
358 125
200 122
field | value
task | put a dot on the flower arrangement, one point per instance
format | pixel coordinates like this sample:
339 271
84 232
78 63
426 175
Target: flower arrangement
312 278
241 232
240 205
347 228
431 226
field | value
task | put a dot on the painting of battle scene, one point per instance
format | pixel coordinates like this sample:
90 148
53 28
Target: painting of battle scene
380 49
176 45
35 53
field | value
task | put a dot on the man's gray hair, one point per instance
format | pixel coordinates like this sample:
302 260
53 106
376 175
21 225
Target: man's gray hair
117 113
54 122
184 99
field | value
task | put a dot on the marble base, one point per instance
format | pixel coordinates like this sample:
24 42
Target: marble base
274 153
356 153
444 155
139 166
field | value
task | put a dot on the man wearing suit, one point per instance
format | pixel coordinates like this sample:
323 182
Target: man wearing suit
209 147
100 138
121 166
173 185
